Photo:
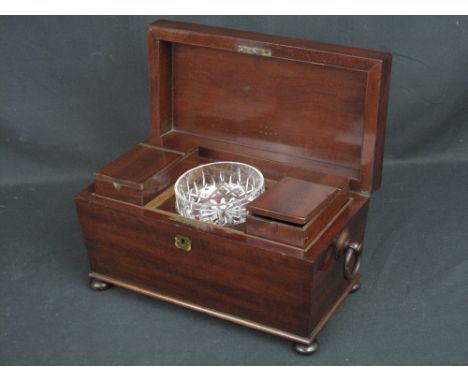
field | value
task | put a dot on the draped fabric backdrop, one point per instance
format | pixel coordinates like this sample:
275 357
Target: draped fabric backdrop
74 95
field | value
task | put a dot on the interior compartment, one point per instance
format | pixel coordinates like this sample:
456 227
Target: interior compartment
294 200
298 235
295 211
287 212
141 173
273 222
166 201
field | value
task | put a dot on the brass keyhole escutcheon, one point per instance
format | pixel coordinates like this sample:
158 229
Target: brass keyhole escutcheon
183 242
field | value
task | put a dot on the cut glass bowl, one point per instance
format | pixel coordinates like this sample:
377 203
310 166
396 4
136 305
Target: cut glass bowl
218 192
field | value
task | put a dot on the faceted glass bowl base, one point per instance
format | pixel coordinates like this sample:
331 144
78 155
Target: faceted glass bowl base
219 192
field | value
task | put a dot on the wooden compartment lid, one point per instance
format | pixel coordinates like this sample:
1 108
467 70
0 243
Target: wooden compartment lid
294 211
293 200
141 173
301 101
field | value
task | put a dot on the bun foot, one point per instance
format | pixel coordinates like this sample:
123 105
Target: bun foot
306 349
98 285
355 287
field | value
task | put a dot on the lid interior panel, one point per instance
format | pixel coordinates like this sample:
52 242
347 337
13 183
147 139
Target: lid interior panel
278 96
282 106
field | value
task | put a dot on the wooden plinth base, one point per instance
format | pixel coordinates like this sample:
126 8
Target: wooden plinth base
302 342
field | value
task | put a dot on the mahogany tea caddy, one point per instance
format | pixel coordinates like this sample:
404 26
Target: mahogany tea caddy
310 116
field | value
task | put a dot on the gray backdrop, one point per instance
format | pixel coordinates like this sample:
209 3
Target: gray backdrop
74 95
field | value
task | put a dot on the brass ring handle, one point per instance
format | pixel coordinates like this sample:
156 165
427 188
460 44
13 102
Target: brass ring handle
353 251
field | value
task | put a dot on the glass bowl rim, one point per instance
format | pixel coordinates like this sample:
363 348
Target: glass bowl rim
238 201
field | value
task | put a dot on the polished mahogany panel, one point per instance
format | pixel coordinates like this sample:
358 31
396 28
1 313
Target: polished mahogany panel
268 103
220 273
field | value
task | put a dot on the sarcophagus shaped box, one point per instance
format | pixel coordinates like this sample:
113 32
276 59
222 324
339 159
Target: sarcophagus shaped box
309 116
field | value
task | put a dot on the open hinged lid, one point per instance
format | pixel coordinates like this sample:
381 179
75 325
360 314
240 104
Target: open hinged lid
294 101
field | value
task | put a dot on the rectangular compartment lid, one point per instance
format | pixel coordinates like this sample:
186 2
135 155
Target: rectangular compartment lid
140 173
277 97
293 200
295 212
